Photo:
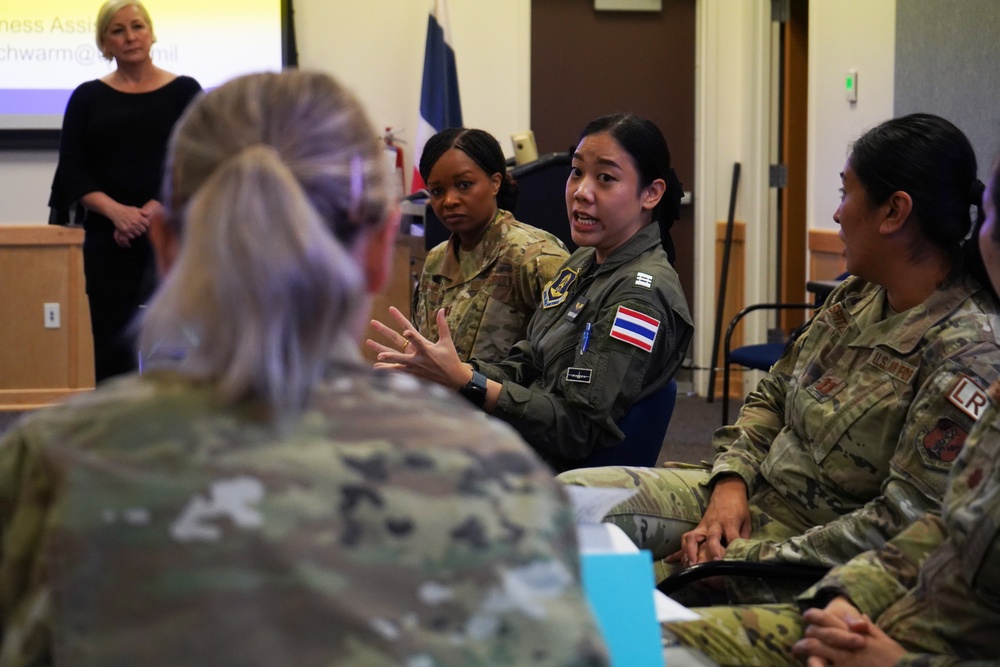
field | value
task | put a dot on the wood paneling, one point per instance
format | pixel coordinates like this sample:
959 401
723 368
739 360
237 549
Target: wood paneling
735 285
794 141
587 63
826 255
39 265
407 263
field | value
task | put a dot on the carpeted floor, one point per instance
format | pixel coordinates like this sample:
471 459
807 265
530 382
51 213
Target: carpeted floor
7 418
689 436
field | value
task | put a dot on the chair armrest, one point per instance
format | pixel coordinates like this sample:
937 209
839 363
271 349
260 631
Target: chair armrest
801 572
758 306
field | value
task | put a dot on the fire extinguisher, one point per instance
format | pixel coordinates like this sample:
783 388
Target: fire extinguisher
391 144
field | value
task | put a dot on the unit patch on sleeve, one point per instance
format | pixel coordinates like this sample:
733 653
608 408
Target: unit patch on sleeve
968 397
944 441
635 328
557 290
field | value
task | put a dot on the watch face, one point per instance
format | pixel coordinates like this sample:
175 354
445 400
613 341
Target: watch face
475 389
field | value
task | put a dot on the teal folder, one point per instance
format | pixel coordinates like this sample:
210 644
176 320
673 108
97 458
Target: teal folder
619 587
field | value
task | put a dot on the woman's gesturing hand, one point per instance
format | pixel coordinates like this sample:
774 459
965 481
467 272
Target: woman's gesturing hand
411 352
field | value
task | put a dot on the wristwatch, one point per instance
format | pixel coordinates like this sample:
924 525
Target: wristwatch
475 389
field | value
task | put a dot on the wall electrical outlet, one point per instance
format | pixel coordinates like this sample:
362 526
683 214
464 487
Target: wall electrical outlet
52 316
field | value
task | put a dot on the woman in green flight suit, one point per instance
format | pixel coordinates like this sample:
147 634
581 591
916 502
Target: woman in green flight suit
613 325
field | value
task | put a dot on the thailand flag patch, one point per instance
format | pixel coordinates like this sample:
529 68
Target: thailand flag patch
635 328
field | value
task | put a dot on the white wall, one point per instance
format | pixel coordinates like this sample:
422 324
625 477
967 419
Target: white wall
376 48
732 89
843 35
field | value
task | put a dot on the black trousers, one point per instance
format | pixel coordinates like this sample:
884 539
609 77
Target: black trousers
118 280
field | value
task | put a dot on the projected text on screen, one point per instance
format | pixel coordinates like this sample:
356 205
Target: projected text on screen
47 48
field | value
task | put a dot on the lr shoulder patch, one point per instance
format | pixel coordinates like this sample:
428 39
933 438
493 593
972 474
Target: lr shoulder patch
968 397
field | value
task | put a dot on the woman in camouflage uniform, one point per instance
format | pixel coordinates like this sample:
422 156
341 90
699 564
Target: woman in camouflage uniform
613 325
929 596
851 435
488 276
263 498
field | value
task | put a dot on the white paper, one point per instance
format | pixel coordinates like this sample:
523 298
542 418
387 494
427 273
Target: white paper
669 610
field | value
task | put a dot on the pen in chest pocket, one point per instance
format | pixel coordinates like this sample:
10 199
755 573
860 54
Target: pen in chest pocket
585 338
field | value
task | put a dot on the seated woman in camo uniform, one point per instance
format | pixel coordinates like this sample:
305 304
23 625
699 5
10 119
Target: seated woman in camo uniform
929 596
851 435
489 275
266 498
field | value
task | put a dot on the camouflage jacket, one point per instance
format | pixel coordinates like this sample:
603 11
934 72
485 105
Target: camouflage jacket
565 400
852 434
490 292
389 524
935 588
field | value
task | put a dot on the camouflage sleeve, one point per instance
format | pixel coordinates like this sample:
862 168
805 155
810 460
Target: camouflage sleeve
426 325
740 448
26 492
934 430
926 660
874 580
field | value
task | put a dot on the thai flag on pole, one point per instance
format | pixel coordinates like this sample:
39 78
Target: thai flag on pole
635 328
440 106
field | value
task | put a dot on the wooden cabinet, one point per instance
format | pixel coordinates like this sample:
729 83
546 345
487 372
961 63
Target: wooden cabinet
39 265
407 263
42 264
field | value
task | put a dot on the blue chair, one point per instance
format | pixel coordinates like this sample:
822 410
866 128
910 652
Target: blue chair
758 357
644 426
763 355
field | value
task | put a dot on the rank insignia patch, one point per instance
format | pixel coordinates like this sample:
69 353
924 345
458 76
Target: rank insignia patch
826 387
644 280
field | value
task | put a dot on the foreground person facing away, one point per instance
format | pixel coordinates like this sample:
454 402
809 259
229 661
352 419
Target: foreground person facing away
111 151
613 325
489 275
929 596
266 499
851 435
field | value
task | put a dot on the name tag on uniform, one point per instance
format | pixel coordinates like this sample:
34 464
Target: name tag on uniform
582 375
838 318
897 368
